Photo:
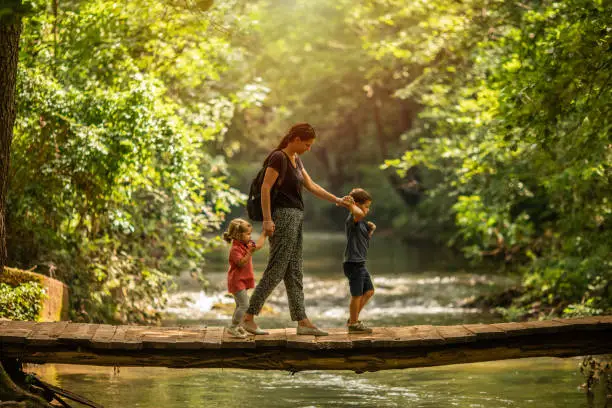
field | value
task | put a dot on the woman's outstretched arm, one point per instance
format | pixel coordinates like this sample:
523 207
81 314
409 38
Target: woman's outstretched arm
319 191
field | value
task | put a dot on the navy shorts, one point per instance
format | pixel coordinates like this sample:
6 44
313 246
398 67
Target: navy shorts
359 278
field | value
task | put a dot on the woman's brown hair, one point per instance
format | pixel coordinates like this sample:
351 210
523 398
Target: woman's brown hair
302 130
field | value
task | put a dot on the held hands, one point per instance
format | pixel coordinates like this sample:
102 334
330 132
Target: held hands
345 201
268 228
372 226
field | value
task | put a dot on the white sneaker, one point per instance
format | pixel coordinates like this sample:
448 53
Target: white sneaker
234 331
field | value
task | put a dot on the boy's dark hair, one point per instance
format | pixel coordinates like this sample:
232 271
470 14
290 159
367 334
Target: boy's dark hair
360 195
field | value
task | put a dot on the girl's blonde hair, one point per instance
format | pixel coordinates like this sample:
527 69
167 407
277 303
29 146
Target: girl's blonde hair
236 227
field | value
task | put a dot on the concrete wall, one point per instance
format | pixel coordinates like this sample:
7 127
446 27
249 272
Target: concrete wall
55 305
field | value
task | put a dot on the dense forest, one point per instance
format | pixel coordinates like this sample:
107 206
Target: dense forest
483 125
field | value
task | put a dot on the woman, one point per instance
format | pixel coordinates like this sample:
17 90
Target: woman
283 217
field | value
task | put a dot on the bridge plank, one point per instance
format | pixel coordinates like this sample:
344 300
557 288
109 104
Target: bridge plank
363 340
515 328
604 321
15 331
190 338
338 338
213 338
275 338
456 334
485 331
103 336
548 326
397 337
80 333
301 342
380 337
125 338
592 322
407 337
159 337
429 335
45 333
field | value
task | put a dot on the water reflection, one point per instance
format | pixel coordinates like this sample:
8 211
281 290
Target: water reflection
538 383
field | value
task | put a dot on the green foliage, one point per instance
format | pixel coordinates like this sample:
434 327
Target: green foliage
481 227
515 120
116 179
512 313
21 302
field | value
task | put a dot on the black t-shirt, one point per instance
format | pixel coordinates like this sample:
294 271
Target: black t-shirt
357 240
289 193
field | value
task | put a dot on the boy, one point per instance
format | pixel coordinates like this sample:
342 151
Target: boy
358 234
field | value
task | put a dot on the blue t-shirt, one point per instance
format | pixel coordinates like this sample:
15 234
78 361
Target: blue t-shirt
357 240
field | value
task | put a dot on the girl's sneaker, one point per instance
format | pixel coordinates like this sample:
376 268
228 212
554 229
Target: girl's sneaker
234 331
241 330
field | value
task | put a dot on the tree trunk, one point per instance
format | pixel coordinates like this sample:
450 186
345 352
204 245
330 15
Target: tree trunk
10 31
11 395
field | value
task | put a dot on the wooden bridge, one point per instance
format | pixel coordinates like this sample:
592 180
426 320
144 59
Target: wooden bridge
282 349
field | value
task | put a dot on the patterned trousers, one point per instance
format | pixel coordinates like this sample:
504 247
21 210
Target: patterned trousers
284 263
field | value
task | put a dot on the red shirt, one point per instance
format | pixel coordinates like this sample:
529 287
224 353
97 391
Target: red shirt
239 278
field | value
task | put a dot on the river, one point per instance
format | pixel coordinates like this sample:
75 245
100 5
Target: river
413 286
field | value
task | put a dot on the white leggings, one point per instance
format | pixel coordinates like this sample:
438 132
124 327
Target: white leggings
242 304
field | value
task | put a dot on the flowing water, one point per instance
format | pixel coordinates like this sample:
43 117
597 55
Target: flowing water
413 286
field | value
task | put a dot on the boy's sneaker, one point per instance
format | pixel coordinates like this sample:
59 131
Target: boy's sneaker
235 332
359 328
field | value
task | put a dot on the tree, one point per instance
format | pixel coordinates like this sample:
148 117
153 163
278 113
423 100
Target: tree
116 184
10 32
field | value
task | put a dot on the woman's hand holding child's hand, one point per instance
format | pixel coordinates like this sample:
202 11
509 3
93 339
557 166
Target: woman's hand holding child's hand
346 201
268 228
372 226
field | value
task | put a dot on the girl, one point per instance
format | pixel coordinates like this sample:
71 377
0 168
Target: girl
240 275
